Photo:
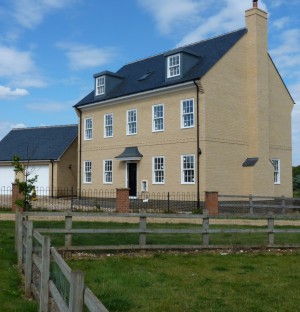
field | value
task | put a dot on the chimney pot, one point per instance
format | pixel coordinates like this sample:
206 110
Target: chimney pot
255 3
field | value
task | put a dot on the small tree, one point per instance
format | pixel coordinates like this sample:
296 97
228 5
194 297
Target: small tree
26 187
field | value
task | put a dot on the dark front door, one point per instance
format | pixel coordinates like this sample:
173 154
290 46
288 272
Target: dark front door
132 178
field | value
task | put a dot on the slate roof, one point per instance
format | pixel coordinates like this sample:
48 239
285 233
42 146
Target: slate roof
40 143
209 52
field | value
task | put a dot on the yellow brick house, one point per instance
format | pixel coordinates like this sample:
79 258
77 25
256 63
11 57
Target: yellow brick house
214 115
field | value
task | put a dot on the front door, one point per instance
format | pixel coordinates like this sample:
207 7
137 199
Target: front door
132 178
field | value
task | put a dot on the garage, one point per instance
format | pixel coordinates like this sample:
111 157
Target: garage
42 183
7 176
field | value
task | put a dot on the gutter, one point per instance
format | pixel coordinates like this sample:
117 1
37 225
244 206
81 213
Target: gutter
199 152
79 112
131 97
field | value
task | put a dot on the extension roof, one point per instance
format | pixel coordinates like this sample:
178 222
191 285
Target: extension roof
40 143
149 74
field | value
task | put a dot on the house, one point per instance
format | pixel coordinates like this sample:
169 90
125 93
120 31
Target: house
210 116
48 152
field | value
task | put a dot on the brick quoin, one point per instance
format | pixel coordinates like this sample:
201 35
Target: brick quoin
212 203
122 200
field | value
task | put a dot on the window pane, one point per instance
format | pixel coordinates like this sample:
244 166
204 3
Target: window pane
158 170
131 122
108 125
158 118
188 172
188 113
107 172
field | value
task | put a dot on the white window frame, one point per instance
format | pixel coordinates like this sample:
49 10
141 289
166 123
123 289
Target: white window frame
156 118
87 169
107 171
173 67
88 128
108 126
100 85
131 122
276 165
184 169
184 113
157 170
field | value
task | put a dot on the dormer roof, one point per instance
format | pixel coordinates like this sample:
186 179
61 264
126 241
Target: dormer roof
150 73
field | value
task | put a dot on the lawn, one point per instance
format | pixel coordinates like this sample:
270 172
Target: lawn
11 291
195 282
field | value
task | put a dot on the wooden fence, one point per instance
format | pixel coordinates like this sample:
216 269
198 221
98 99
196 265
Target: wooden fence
41 254
252 204
203 228
35 255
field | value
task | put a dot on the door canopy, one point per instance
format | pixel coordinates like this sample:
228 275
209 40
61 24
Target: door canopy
130 153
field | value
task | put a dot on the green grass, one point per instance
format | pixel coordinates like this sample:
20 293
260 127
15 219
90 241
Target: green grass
170 282
11 291
195 282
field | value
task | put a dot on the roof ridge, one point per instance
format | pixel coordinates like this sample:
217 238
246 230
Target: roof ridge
185 46
43 127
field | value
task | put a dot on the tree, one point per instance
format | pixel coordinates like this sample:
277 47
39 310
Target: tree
296 182
26 187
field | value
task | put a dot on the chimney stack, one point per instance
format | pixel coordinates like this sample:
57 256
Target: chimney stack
255 3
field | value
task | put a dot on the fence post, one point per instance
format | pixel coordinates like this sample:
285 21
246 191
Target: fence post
251 204
76 291
19 237
45 272
283 204
28 259
271 230
212 203
205 227
143 227
68 226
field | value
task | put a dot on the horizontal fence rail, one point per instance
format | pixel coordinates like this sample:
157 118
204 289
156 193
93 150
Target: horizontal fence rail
35 258
201 226
251 204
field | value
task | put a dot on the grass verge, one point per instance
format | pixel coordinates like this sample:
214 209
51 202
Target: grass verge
11 291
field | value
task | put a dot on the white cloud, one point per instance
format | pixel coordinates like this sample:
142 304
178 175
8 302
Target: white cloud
197 19
7 92
6 126
172 13
281 22
87 56
48 106
19 68
216 22
14 62
30 13
286 54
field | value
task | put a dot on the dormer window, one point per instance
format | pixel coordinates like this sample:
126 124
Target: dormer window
173 65
100 85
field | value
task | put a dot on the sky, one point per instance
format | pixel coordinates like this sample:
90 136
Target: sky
50 49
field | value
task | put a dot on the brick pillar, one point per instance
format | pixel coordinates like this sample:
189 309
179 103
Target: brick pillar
122 200
15 195
212 203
